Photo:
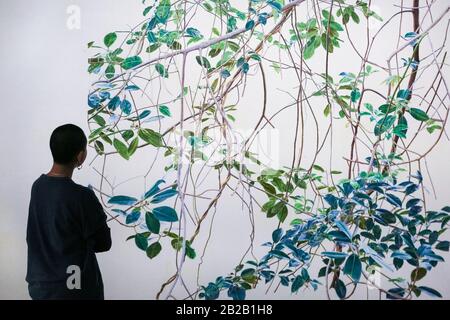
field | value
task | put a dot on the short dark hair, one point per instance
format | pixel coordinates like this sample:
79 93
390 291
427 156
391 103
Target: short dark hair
66 142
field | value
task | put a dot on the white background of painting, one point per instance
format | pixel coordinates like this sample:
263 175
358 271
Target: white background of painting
44 83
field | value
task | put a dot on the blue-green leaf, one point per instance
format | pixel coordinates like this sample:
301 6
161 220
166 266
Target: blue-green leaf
132 88
154 189
225 73
355 95
250 24
404 94
343 227
141 241
334 255
193 32
125 106
340 288
401 255
152 223
353 267
114 103
144 114
297 283
443 245
430 291
165 213
133 217
276 235
236 292
394 200
122 200
384 124
160 197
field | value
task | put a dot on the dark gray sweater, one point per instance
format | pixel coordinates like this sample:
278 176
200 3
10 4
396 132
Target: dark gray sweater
66 226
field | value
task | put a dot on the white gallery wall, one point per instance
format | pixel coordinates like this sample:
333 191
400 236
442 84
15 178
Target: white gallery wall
44 83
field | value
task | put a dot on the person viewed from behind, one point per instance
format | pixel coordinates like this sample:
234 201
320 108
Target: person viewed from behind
66 226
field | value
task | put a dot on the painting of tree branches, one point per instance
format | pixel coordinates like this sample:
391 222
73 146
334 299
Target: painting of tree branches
347 186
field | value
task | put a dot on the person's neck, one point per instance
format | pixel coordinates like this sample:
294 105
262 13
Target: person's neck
59 170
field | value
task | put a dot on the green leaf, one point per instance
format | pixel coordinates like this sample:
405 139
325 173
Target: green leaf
153 250
280 210
231 24
161 70
355 17
327 110
165 110
327 46
152 223
190 252
336 26
166 214
402 128
146 10
109 39
141 241
355 95
310 47
110 71
133 146
131 62
127 135
255 56
270 189
384 124
100 121
318 168
153 47
418 114
163 11
204 62
99 147
121 148
151 137
353 267
418 274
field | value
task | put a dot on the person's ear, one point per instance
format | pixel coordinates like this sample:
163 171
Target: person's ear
81 157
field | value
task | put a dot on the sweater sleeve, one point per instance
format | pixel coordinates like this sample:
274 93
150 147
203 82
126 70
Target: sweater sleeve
95 229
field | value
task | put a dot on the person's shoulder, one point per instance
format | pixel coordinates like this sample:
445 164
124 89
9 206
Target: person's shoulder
37 182
83 189
86 193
